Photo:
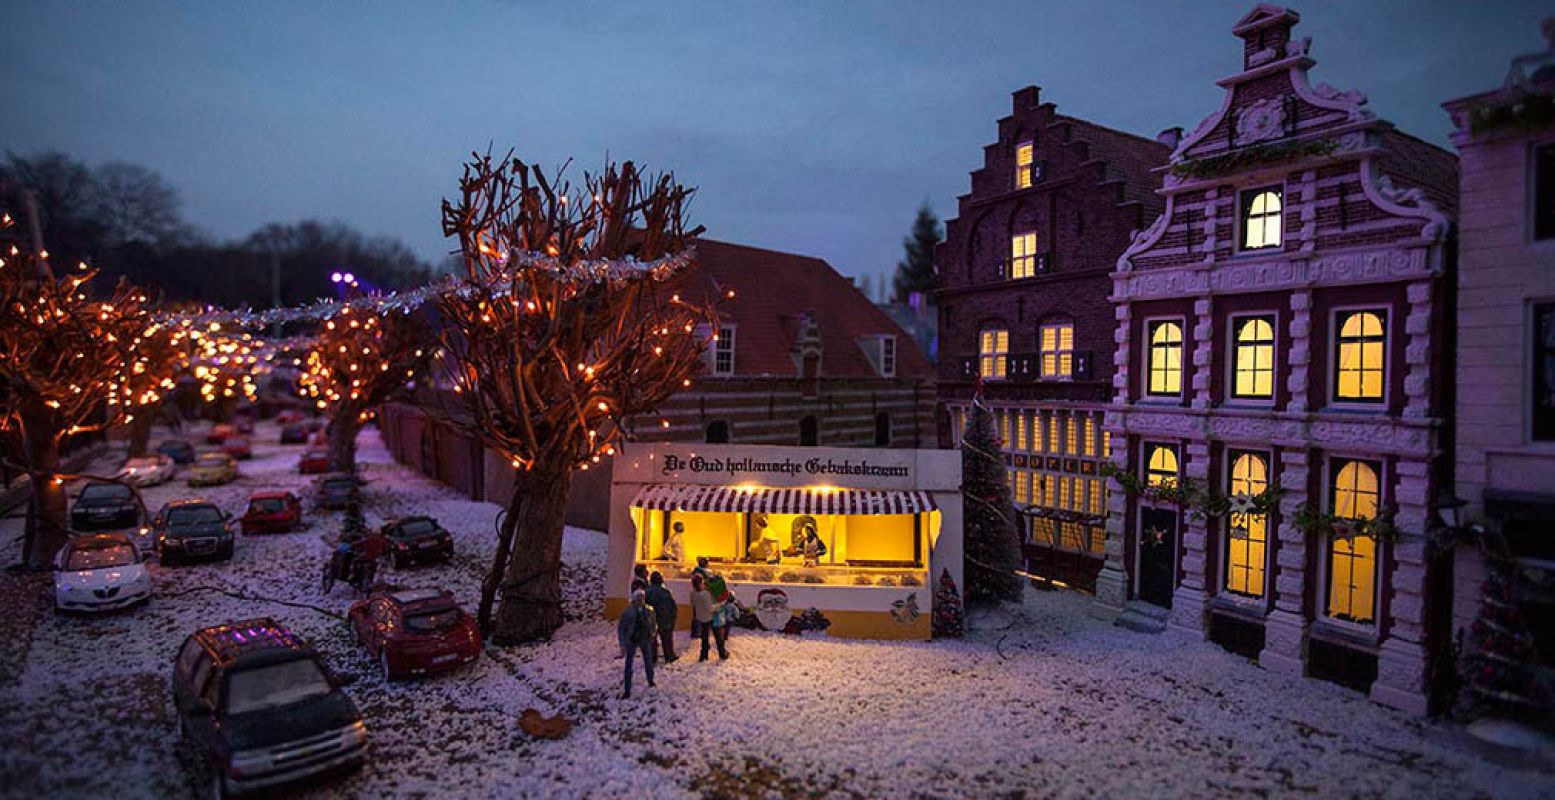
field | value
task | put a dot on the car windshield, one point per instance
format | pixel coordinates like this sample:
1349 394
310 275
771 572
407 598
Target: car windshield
141 463
275 685
193 515
417 527
213 460
267 505
105 491
100 557
434 621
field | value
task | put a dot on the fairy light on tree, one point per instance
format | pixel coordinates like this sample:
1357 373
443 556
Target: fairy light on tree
70 364
361 356
565 328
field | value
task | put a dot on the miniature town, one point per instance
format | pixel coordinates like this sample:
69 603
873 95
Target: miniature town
1209 461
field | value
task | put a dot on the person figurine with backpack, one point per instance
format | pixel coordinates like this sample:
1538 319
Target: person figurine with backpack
635 630
664 610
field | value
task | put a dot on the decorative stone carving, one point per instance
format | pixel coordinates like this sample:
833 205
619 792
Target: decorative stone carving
1163 423
1256 429
1403 202
1378 434
1261 121
1145 239
1357 266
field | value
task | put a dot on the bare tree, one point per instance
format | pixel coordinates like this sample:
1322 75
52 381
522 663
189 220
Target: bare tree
135 205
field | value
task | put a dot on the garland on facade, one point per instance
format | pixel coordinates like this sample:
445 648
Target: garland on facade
1195 496
1246 157
1314 521
1524 113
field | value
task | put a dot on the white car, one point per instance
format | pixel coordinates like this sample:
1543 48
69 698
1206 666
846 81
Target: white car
148 470
101 572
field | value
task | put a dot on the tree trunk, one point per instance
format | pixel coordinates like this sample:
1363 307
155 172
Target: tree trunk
531 590
499 561
46 524
342 430
140 432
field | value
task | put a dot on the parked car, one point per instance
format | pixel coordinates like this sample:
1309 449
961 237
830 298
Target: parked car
289 416
413 539
244 423
149 470
219 433
272 512
102 572
192 529
213 469
336 491
294 433
415 632
237 447
103 505
177 449
313 462
257 704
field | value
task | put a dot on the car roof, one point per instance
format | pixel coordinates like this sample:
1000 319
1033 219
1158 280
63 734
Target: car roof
99 540
270 494
260 639
414 600
189 501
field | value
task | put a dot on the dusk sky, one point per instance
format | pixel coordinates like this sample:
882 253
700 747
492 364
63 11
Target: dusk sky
810 127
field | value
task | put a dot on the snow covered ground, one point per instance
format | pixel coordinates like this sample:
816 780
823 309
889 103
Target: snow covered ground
1071 707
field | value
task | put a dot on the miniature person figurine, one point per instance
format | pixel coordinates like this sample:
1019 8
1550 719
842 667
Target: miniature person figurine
814 548
674 545
765 549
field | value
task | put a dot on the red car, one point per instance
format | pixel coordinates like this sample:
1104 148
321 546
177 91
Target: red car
415 632
220 433
237 447
272 512
313 462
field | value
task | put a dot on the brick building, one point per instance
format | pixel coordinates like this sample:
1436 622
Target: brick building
1023 277
1506 327
1285 322
802 357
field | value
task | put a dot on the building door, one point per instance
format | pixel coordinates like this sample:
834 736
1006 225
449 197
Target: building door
1157 555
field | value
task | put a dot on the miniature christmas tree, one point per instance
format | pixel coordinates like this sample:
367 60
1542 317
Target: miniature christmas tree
992 543
1502 672
947 607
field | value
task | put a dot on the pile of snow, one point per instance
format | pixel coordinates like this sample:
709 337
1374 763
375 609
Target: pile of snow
1065 705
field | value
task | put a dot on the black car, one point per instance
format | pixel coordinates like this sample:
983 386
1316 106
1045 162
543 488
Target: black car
104 506
257 704
336 491
192 529
295 433
179 450
413 539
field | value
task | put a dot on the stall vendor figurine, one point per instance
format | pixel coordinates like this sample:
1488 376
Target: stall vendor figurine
674 546
807 541
765 549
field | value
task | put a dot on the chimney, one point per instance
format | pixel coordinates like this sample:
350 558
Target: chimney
1025 98
1170 137
1265 33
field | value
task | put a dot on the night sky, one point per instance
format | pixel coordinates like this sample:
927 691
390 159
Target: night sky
815 127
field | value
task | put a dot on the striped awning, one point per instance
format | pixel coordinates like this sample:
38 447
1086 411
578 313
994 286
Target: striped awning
745 499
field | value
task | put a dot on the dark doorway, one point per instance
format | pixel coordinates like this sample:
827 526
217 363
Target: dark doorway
809 432
1157 555
882 430
718 432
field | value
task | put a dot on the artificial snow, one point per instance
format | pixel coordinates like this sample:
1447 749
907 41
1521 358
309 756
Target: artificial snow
1040 700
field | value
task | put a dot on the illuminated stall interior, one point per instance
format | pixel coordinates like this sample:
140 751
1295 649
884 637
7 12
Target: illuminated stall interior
758 534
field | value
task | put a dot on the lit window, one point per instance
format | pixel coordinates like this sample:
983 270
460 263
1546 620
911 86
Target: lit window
1025 152
1361 365
1252 357
1165 355
1248 532
1021 495
1058 350
1023 255
723 351
1161 466
1021 442
1072 437
1352 563
1090 436
888 356
1053 425
1106 444
1063 493
1098 494
992 347
1261 219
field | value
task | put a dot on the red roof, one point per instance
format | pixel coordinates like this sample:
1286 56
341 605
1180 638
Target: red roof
773 292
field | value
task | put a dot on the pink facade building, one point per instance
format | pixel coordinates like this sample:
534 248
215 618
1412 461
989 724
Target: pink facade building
1284 323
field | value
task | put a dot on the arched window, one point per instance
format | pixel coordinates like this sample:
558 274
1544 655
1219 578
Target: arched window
882 429
809 431
1161 465
1261 218
718 432
1057 340
993 344
1247 534
1352 560
1253 357
1361 363
1165 356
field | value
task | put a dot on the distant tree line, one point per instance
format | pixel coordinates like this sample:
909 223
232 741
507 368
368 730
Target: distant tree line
125 220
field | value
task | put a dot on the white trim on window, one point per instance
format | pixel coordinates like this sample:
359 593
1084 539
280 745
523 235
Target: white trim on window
1380 554
888 356
1244 202
1147 329
723 350
1332 378
1232 366
1061 356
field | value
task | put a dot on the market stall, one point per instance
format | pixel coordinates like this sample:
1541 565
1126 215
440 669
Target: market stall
861 536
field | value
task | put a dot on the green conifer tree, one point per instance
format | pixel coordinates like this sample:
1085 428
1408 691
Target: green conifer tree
991 540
